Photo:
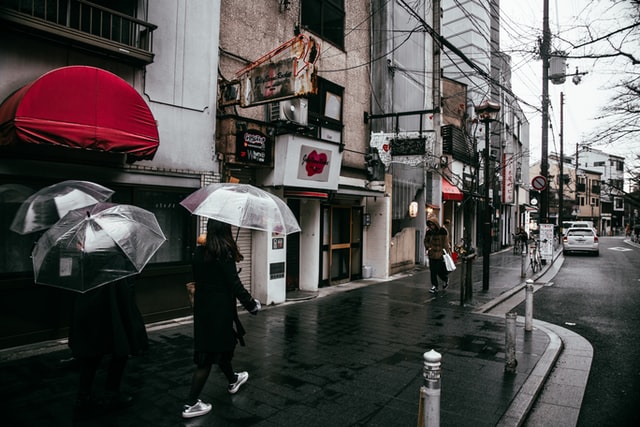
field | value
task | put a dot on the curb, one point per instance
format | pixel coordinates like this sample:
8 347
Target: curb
523 402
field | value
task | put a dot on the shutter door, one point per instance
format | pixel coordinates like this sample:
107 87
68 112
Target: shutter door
244 245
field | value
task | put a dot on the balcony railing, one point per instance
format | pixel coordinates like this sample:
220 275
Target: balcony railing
80 21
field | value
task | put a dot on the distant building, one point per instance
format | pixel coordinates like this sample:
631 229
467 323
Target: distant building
611 168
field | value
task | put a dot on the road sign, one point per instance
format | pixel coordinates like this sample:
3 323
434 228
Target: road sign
539 183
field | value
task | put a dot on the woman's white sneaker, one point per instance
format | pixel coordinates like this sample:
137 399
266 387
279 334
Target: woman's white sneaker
242 378
197 409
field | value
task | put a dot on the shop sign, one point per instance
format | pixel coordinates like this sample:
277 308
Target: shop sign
253 146
508 179
286 72
314 163
304 163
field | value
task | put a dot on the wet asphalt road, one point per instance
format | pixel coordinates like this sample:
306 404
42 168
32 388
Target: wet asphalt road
598 298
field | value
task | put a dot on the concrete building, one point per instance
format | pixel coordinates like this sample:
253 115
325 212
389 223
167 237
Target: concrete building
344 215
83 58
269 94
473 28
405 119
581 192
611 168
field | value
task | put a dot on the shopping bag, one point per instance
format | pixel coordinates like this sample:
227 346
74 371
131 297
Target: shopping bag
448 261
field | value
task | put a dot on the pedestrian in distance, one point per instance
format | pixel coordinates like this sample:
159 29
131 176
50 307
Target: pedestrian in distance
436 241
105 321
216 325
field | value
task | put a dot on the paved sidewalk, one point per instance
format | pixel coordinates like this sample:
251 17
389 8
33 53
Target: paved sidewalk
350 355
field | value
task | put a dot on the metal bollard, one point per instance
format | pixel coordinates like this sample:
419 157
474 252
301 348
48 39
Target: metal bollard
510 343
466 279
528 316
429 415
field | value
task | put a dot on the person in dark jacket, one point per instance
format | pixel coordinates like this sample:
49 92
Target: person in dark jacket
216 326
436 240
105 321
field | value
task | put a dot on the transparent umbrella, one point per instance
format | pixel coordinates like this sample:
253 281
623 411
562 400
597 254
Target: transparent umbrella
93 246
46 206
244 206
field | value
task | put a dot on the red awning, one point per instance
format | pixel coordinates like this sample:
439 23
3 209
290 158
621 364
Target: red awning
80 107
450 191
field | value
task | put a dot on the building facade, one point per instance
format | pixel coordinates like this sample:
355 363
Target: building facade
281 109
473 28
611 168
314 139
73 61
405 118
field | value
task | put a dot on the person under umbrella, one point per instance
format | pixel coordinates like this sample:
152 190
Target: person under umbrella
216 324
105 321
96 251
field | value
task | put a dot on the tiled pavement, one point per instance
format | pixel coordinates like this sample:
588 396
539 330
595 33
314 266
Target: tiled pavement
350 357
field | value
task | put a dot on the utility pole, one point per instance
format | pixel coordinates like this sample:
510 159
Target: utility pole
561 194
544 159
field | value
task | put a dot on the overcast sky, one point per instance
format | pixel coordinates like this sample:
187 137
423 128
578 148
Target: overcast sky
522 26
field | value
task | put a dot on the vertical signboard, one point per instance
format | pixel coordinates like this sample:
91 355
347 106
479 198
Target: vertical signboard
508 179
546 241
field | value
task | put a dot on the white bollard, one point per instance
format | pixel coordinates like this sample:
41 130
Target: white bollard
510 343
528 316
430 392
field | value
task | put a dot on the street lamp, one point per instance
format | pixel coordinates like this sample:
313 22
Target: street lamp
486 112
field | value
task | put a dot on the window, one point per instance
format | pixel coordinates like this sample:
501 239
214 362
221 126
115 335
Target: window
175 221
325 18
325 112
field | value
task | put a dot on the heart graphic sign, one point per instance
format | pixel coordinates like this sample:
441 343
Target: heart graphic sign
314 164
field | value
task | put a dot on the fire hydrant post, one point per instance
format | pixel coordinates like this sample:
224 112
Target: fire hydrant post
528 318
510 342
430 391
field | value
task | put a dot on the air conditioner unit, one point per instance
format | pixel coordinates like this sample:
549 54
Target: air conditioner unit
295 110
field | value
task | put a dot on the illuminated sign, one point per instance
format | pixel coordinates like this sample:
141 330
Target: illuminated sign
253 146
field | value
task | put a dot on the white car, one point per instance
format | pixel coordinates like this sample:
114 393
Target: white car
583 224
580 240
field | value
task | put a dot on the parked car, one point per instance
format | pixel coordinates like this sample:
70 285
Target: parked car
580 240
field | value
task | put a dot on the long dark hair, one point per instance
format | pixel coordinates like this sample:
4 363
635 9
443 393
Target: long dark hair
220 242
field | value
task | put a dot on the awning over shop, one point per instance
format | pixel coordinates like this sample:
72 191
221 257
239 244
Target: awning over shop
450 191
80 107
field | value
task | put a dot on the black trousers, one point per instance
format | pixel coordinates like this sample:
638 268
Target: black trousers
438 269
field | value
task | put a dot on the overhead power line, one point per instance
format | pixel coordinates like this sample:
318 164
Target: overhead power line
446 43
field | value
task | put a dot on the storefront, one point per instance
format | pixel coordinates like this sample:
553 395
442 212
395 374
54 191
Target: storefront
83 123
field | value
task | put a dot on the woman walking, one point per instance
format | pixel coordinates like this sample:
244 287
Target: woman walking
436 239
216 326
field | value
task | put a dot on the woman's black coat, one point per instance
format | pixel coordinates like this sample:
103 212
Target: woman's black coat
215 309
